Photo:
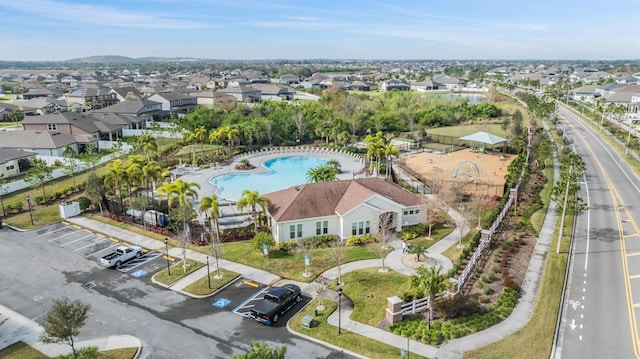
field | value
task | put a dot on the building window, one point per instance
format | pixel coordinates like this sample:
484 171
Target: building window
295 231
360 228
52 127
322 227
10 167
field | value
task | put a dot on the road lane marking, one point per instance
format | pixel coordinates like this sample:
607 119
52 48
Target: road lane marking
635 276
633 254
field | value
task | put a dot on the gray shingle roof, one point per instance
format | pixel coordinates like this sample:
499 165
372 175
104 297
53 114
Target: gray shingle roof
39 139
8 154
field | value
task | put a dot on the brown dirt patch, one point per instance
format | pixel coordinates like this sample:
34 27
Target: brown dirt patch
479 173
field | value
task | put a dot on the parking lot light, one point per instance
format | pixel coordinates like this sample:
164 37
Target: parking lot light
30 210
166 248
339 308
208 273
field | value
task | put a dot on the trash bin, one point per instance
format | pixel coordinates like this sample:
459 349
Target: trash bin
307 322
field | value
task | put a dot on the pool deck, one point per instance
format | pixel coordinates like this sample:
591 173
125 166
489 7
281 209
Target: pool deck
352 167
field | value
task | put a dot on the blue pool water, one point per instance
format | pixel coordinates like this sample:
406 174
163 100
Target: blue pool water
283 172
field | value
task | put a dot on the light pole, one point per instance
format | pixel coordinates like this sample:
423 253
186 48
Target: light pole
166 248
30 211
208 273
339 308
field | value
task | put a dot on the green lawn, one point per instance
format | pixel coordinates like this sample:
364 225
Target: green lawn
201 286
463 130
323 331
20 350
369 290
41 216
288 265
177 271
454 252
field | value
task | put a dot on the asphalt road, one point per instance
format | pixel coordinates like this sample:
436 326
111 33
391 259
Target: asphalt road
603 292
38 269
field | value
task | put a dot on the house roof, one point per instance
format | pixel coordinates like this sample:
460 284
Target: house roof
80 120
8 154
40 139
128 107
324 199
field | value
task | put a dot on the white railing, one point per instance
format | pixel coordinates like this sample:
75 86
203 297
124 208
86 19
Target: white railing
416 306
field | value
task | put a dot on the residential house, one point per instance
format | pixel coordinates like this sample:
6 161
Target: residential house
274 92
215 99
14 162
174 103
585 93
38 92
449 82
362 86
92 98
106 126
342 208
427 85
396 85
244 94
44 143
144 109
126 93
289 79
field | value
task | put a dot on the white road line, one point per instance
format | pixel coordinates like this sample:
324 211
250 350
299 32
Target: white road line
103 249
64 235
250 299
586 254
91 244
76 240
55 230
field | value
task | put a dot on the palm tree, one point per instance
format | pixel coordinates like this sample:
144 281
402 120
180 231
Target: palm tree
150 173
335 164
253 200
324 173
375 148
232 134
115 177
427 282
148 144
210 204
215 136
199 134
389 152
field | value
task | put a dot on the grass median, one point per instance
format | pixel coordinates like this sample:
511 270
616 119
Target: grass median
178 271
21 350
201 286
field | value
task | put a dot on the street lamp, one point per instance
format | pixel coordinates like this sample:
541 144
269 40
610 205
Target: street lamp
30 211
339 308
208 273
166 248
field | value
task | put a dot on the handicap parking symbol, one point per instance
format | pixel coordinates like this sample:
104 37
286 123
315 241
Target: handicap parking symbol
221 303
139 273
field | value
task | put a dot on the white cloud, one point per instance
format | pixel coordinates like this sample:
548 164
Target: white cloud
97 15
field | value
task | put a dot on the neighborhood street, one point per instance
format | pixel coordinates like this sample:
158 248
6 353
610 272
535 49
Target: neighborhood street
603 292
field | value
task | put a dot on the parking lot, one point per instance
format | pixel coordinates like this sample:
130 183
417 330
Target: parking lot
93 246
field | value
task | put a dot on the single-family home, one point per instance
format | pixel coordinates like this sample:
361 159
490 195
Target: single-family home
14 162
174 103
92 98
427 85
145 109
396 85
342 208
289 79
274 92
44 143
242 93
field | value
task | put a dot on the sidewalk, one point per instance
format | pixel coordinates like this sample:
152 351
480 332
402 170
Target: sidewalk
16 327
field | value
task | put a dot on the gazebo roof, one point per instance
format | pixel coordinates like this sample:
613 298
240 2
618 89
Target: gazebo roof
484 137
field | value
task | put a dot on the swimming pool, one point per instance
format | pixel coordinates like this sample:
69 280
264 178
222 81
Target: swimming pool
283 172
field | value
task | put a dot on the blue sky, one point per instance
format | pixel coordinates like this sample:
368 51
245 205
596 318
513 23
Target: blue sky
303 29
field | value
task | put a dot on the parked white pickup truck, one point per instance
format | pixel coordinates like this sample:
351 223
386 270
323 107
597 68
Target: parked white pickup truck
120 255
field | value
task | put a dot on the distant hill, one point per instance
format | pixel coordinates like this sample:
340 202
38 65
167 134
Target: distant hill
116 59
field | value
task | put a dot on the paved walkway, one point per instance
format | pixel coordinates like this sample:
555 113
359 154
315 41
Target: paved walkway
29 331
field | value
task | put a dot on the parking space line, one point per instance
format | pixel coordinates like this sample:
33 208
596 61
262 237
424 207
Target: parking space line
64 235
76 240
128 269
249 299
103 249
55 230
90 244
